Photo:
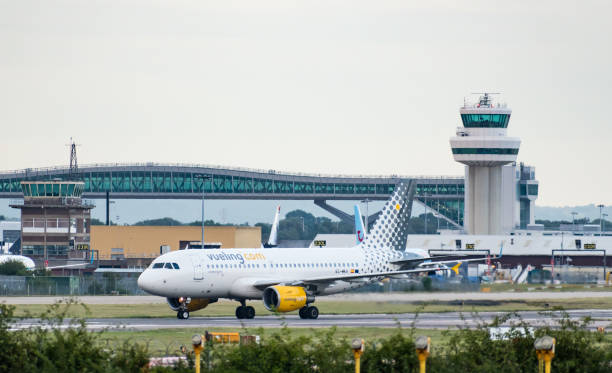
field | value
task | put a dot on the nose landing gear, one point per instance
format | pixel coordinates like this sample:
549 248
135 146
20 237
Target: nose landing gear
183 312
245 312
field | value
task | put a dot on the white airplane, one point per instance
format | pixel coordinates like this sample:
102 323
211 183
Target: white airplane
286 280
27 262
273 239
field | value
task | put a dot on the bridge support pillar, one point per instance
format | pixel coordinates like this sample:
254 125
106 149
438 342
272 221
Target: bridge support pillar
347 218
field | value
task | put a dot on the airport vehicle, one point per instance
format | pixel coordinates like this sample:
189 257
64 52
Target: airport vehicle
286 280
27 262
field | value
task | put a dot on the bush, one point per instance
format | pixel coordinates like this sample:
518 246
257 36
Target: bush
51 348
13 268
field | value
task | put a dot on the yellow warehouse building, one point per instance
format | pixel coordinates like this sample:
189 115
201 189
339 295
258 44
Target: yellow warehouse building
147 241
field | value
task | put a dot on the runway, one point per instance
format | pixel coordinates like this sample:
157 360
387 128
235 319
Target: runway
446 320
373 297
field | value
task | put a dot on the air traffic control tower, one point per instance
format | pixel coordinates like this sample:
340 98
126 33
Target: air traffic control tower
489 156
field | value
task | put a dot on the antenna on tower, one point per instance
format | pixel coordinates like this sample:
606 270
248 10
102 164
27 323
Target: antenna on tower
74 167
485 100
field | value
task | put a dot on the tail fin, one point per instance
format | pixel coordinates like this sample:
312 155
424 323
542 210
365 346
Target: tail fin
455 268
272 241
360 232
391 228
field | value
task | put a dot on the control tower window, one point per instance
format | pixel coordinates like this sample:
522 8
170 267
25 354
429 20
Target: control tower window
499 151
485 120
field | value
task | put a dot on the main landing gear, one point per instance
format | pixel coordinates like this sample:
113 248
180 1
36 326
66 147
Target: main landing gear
182 315
309 312
245 312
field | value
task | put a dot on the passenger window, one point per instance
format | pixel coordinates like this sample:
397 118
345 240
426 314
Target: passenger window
175 265
168 265
158 265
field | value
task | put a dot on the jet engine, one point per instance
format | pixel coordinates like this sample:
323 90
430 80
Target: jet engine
285 298
192 304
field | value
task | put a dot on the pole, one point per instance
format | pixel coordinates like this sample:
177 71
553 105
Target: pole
601 206
203 178
107 207
202 231
425 199
357 362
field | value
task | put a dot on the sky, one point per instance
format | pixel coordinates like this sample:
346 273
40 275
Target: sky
334 86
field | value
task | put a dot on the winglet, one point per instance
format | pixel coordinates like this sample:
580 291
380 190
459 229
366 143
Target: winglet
455 268
501 249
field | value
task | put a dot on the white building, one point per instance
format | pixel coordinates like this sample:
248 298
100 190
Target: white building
494 205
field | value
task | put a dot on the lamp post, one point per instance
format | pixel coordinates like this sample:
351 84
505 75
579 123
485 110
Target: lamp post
203 178
367 216
574 213
601 206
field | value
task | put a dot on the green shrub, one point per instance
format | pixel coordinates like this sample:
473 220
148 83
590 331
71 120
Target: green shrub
52 348
13 268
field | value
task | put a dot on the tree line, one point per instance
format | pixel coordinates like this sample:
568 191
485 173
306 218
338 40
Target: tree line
301 225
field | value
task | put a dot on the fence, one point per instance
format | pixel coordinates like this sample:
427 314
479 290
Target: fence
97 284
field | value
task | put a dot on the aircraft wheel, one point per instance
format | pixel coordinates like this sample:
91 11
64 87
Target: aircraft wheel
312 312
184 315
303 312
249 312
240 312
179 315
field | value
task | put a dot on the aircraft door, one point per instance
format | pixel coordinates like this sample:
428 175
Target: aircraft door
198 269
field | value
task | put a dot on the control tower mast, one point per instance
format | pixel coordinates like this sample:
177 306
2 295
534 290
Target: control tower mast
489 155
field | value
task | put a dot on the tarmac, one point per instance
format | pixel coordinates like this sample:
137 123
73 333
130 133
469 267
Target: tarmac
602 318
371 297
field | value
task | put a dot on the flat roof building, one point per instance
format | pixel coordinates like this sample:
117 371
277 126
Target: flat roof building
127 242
55 220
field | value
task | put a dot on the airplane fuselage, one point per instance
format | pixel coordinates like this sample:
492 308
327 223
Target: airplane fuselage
233 273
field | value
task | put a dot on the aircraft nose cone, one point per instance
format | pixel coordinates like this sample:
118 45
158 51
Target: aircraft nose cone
145 281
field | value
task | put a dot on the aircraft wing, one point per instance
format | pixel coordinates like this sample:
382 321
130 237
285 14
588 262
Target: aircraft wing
343 277
68 266
431 260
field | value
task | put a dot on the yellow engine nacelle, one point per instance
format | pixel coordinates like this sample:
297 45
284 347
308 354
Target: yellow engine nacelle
285 298
192 304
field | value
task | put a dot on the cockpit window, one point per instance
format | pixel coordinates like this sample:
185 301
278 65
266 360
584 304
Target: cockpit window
175 265
158 265
168 265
